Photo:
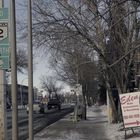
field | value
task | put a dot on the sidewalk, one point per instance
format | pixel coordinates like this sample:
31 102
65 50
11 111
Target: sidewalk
95 127
66 129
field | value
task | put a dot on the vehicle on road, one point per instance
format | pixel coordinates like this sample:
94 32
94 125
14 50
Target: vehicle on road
37 107
54 103
46 104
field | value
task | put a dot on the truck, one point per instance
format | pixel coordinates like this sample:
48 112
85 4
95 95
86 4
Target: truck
54 103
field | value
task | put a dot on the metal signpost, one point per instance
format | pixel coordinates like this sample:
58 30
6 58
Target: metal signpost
30 71
13 69
4 64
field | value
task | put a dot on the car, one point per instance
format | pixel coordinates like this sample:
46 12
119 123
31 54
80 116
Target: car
36 107
54 103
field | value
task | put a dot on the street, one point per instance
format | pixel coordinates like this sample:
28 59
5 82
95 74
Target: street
40 121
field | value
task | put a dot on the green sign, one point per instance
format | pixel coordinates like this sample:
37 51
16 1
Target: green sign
4 62
4 56
4 41
3 14
4 33
4 50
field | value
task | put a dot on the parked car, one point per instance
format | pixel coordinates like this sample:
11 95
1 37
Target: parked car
36 107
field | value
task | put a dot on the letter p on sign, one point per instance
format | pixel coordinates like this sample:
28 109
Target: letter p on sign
3 31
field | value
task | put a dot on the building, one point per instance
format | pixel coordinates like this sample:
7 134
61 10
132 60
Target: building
22 94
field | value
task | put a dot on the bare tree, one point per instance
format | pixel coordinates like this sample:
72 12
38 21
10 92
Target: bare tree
77 67
21 60
109 27
50 85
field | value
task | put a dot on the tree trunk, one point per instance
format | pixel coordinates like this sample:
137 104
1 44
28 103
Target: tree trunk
114 115
119 105
84 113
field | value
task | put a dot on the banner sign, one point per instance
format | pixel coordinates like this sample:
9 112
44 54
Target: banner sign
130 104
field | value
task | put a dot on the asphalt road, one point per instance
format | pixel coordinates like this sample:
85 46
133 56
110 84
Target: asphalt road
40 121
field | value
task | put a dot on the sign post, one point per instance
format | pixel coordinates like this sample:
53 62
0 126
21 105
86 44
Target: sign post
13 47
3 60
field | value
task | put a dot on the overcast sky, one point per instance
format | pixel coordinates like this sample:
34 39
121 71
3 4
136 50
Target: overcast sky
41 66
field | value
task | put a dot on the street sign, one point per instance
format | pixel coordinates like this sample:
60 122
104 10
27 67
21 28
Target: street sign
4 46
3 14
4 32
3 62
4 41
130 104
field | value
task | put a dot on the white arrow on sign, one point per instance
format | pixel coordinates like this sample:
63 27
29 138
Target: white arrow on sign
3 31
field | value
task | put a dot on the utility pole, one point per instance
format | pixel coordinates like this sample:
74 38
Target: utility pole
30 71
3 116
13 70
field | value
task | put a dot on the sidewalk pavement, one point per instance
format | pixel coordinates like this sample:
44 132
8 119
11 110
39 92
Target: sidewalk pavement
96 127
66 129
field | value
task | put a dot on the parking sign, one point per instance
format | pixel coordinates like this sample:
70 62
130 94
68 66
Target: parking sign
4 39
3 31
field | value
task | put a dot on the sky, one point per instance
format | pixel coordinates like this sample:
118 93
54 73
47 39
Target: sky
41 64
40 67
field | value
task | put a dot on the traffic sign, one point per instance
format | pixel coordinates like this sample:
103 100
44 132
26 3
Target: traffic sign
3 14
4 62
4 50
4 36
1 62
4 41
4 56
4 33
